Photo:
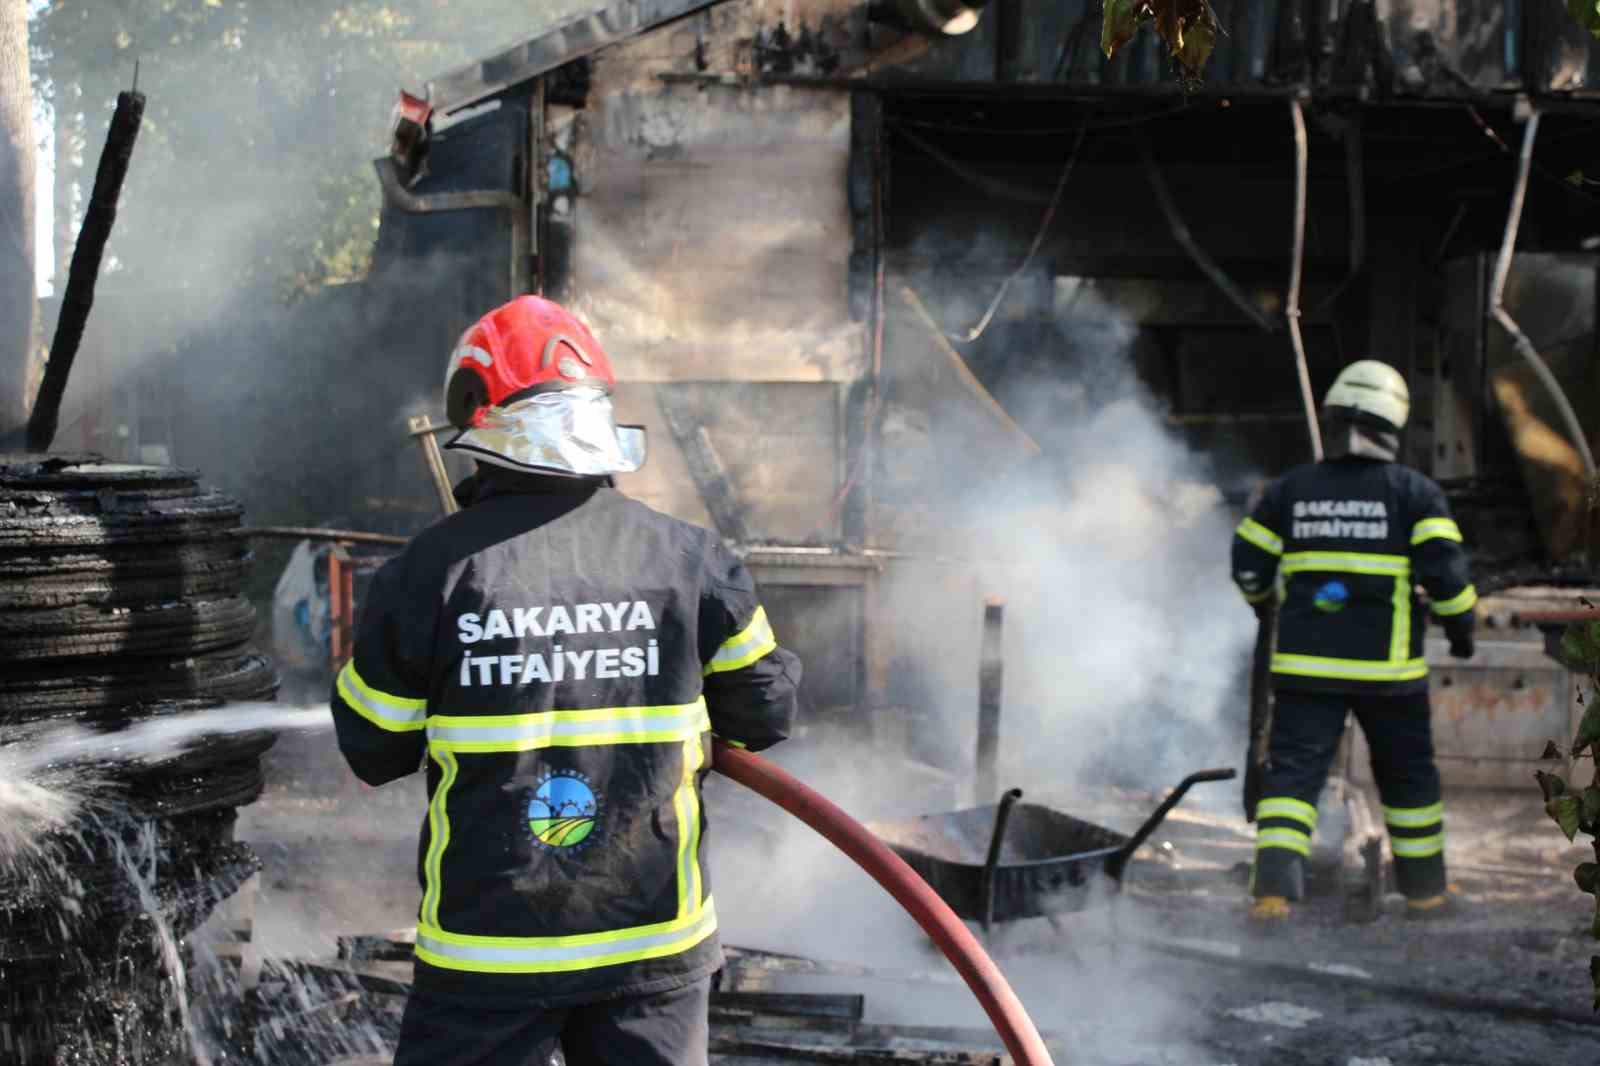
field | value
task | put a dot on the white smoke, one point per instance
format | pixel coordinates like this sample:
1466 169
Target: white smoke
1125 651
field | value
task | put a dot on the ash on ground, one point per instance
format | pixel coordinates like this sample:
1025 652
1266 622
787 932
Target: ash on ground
1166 971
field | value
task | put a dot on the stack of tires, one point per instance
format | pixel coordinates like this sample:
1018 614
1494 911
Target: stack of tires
119 603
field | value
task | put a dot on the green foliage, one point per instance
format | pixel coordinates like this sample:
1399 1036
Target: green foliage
1580 645
1587 12
1119 23
1189 28
1576 810
1567 812
253 167
1588 729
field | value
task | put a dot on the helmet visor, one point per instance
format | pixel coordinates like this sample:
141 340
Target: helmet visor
572 432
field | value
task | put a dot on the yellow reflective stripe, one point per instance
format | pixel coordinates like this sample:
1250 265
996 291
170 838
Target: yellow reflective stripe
1292 839
556 954
1429 528
745 647
686 803
1460 603
1417 847
1348 669
397 714
1255 533
1400 630
1347 563
568 729
1285 807
438 835
1413 817
1256 598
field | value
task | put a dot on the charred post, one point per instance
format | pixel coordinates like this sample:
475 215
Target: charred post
81 277
991 667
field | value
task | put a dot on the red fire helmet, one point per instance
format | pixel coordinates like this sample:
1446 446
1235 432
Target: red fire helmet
528 346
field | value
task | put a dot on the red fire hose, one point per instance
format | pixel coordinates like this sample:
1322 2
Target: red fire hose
1005 1010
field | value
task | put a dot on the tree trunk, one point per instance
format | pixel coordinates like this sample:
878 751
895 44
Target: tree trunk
17 284
68 162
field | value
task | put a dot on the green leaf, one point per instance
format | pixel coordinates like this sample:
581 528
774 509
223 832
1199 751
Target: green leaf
1587 13
1550 784
1588 728
1580 644
1566 811
1590 808
1588 877
1118 25
1195 48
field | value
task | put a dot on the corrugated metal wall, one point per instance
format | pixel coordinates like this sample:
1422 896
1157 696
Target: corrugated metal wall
1402 46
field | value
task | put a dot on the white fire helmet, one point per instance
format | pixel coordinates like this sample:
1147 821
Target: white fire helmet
1372 388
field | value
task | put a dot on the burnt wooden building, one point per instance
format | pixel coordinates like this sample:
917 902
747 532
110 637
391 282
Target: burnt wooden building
871 270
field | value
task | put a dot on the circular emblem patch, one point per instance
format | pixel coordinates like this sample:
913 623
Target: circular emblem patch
562 810
1331 597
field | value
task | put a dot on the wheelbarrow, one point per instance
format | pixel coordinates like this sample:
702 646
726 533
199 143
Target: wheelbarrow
1016 860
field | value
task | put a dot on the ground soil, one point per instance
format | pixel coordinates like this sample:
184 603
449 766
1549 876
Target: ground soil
1167 971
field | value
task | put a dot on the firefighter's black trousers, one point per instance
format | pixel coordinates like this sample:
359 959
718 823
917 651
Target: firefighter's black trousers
665 1029
1306 727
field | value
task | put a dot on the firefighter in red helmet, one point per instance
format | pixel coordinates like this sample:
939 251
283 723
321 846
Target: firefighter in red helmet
557 656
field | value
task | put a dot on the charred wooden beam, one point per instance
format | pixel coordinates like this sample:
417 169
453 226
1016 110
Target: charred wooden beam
705 467
78 298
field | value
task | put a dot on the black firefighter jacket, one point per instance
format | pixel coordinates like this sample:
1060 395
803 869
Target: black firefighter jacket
560 655
1344 543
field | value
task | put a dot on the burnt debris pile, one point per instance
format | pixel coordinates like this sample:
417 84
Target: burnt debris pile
119 604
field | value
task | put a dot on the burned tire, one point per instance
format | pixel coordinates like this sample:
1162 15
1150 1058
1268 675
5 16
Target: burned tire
125 575
89 692
236 783
181 628
119 603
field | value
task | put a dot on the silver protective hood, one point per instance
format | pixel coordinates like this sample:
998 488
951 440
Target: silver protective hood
572 432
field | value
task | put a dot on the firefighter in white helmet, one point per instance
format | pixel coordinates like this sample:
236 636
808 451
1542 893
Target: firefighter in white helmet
1340 547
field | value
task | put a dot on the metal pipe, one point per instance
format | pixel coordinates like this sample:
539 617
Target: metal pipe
78 297
1292 313
988 984
991 669
403 199
997 839
1185 239
1497 310
344 536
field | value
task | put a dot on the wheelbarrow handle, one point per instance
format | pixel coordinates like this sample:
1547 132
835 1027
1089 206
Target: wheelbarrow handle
1118 862
997 839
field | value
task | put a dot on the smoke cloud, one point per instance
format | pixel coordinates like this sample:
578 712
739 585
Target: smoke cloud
1125 649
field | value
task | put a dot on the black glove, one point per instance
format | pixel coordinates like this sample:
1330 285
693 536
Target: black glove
1459 629
1264 610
